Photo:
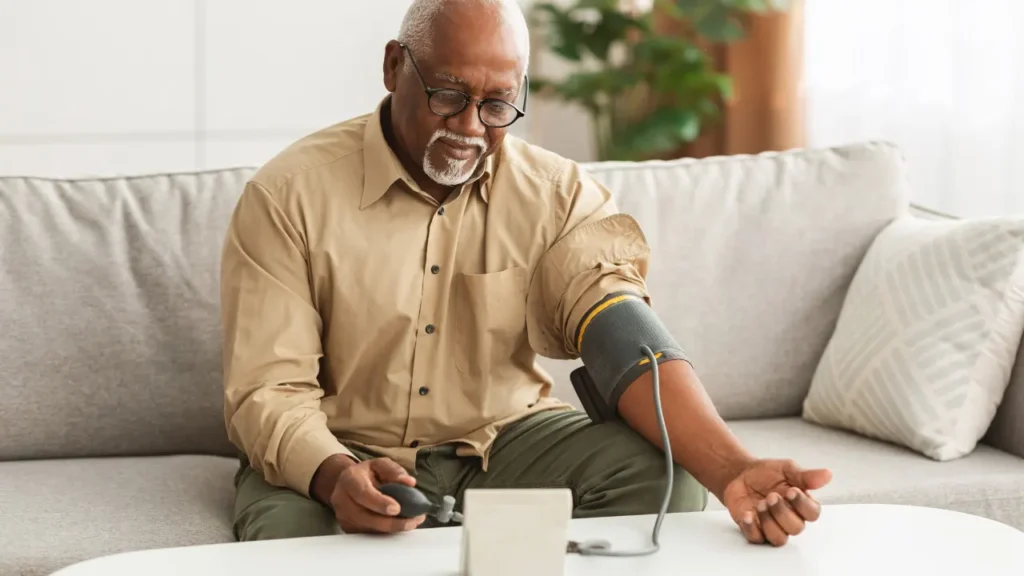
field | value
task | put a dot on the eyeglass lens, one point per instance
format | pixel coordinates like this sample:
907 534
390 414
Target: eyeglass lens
492 112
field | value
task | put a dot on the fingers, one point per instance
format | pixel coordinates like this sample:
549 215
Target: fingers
391 525
804 505
360 506
784 515
778 518
387 524
750 528
388 470
363 492
363 508
815 479
354 518
770 527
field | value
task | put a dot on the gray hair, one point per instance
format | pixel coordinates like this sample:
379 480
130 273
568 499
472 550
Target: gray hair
417 26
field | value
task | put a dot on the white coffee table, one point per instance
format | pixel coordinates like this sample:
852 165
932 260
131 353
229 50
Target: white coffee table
860 539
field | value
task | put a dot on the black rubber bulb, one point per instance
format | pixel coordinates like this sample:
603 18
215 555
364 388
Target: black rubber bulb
412 501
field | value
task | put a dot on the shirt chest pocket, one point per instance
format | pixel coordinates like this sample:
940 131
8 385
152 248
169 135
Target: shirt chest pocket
490 319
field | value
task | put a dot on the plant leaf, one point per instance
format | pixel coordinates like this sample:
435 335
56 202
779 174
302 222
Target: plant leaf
692 8
662 131
719 25
599 4
709 108
613 26
757 6
747 5
667 88
564 34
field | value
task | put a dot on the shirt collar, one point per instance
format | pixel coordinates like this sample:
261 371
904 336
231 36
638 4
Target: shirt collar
382 168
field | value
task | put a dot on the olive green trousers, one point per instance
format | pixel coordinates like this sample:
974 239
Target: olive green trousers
610 469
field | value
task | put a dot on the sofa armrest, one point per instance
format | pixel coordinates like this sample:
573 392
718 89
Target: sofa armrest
1007 430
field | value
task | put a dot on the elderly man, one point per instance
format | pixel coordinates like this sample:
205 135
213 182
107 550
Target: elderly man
387 283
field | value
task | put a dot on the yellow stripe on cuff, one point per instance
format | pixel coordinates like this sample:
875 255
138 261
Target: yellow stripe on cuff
647 360
604 306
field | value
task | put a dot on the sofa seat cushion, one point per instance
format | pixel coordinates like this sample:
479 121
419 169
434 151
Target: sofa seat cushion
988 482
58 512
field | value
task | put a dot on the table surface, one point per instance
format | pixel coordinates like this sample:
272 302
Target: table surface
852 539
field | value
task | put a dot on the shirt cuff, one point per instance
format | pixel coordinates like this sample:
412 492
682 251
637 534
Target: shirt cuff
305 455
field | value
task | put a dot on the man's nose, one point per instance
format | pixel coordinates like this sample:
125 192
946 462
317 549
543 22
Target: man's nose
468 122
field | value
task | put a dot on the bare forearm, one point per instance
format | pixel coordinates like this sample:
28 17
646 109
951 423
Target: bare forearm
701 441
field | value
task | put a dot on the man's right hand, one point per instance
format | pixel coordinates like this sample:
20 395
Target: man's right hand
350 488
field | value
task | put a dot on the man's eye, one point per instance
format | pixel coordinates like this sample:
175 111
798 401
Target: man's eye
497 107
449 97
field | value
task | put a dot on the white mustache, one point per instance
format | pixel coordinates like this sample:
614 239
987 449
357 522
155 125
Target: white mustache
455 137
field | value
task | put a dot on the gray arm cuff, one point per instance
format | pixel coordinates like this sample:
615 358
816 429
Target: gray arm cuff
611 338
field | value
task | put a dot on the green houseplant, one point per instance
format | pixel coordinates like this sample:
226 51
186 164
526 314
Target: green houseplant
647 92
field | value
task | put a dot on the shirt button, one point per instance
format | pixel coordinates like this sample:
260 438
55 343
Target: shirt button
424 391
430 328
435 269
414 443
440 211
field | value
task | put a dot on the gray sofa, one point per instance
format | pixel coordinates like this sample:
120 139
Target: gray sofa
112 430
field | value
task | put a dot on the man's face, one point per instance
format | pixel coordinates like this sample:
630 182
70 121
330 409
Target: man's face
448 150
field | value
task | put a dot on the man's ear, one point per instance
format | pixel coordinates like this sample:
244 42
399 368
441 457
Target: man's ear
392 64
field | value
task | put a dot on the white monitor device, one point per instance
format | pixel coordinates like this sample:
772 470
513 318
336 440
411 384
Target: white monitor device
515 532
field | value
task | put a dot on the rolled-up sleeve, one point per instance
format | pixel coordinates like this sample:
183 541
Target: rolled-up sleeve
272 346
600 251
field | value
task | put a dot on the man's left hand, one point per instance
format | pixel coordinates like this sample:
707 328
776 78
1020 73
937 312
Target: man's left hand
770 500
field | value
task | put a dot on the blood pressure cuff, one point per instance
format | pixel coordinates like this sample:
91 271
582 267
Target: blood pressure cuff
610 339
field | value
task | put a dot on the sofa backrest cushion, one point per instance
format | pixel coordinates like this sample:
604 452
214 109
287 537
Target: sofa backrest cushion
109 311
109 289
752 258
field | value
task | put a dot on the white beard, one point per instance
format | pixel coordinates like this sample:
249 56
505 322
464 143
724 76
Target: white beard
455 171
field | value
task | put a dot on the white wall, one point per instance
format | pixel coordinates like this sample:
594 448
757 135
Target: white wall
103 87
946 84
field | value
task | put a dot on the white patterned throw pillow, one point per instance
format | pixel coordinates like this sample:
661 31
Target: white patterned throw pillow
924 345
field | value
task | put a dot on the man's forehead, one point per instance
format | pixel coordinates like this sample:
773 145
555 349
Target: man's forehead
464 41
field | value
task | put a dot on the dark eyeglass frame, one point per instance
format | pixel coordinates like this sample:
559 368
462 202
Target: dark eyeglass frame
466 98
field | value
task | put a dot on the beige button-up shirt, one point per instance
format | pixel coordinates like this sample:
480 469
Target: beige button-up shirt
357 311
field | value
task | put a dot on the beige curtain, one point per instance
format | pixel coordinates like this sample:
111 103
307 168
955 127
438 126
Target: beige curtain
766 110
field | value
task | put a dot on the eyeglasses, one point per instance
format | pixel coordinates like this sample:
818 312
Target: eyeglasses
448 102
